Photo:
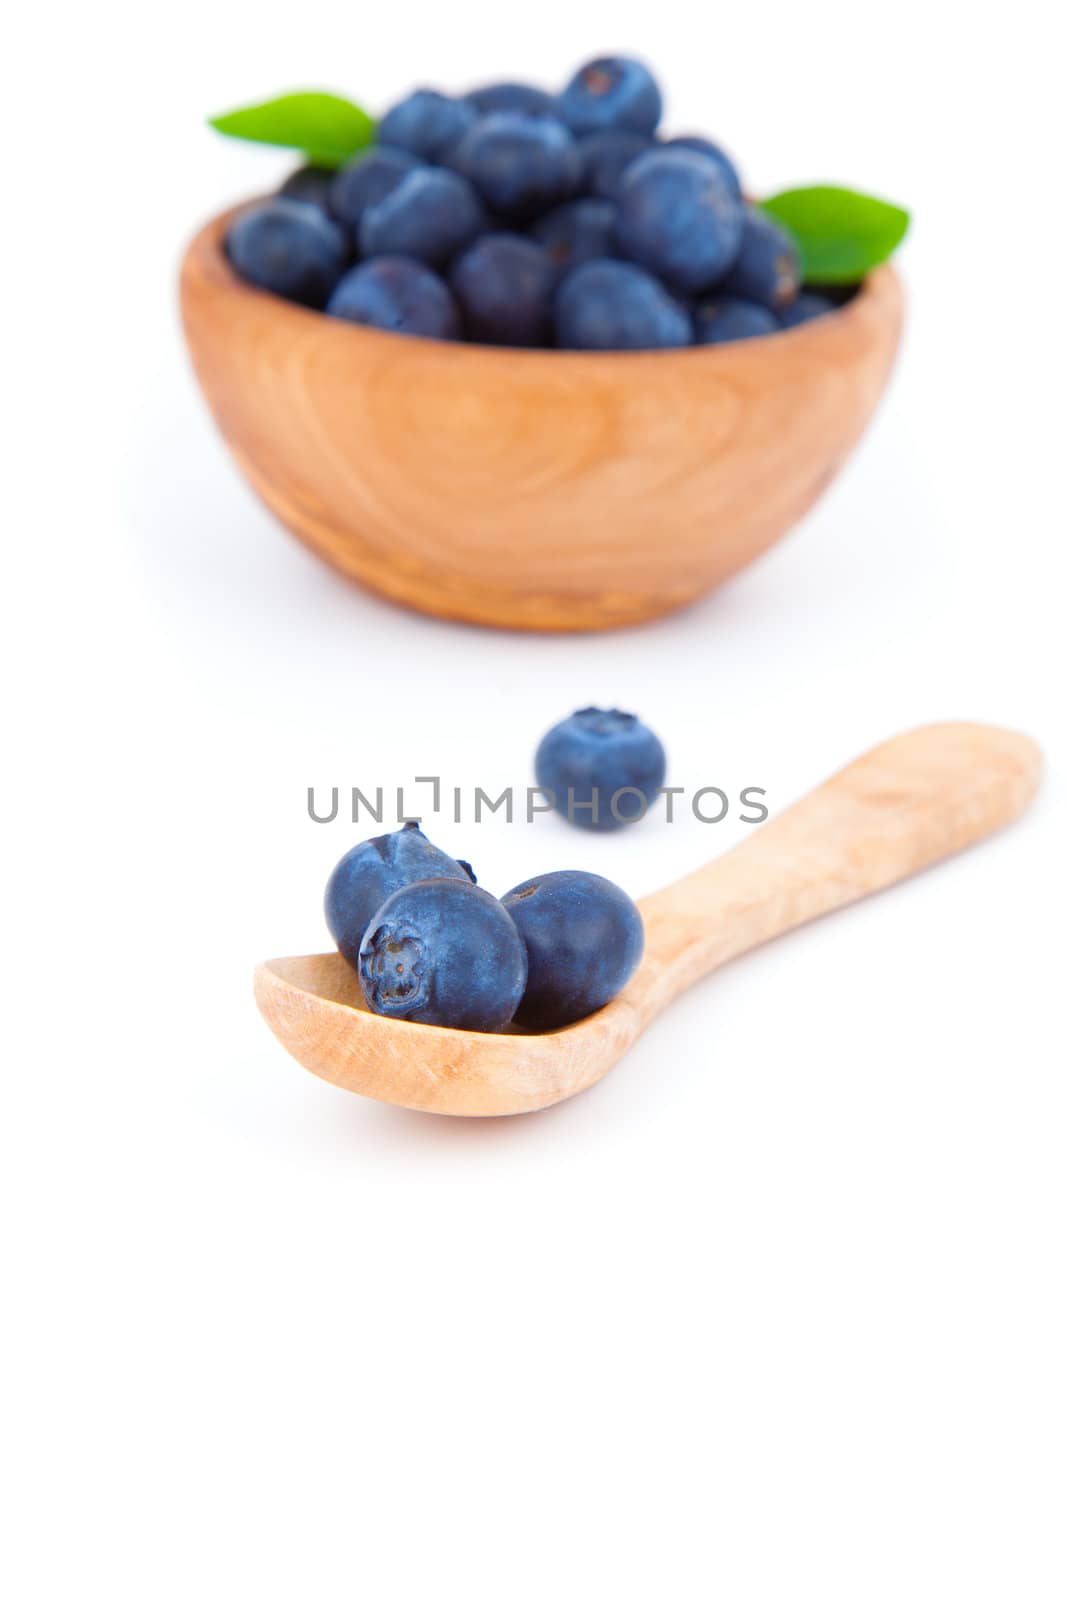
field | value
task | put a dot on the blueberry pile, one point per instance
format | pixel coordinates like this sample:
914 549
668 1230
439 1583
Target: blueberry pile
429 945
516 217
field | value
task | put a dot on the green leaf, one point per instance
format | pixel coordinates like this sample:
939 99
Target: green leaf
325 127
841 234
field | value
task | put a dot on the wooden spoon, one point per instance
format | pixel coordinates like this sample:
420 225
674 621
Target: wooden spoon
904 805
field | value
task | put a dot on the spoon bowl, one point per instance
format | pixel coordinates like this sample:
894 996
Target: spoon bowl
903 806
535 489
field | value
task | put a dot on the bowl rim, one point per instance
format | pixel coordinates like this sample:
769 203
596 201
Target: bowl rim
206 254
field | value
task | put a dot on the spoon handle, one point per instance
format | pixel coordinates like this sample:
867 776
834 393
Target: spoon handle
901 807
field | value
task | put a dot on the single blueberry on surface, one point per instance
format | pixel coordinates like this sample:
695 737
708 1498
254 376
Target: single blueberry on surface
726 319
512 97
366 180
289 248
805 308
520 164
504 285
430 215
605 157
603 768
399 296
426 123
581 230
311 184
444 952
583 938
370 872
612 92
613 305
678 217
766 268
708 147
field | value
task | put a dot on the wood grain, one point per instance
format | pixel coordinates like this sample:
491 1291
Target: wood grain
532 489
900 808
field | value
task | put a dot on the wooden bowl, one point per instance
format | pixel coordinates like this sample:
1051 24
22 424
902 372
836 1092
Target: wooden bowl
531 488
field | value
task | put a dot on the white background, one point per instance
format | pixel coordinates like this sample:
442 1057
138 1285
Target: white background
778 1309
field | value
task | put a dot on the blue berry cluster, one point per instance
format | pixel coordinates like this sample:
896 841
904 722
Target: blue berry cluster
511 216
429 945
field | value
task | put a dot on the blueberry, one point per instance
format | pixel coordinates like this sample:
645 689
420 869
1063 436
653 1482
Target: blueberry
767 266
707 147
589 759
724 319
430 215
805 308
679 218
512 97
444 952
612 305
520 164
581 230
399 295
426 123
583 939
605 157
366 180
612 92
504 285
290 248
370 872
310 184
